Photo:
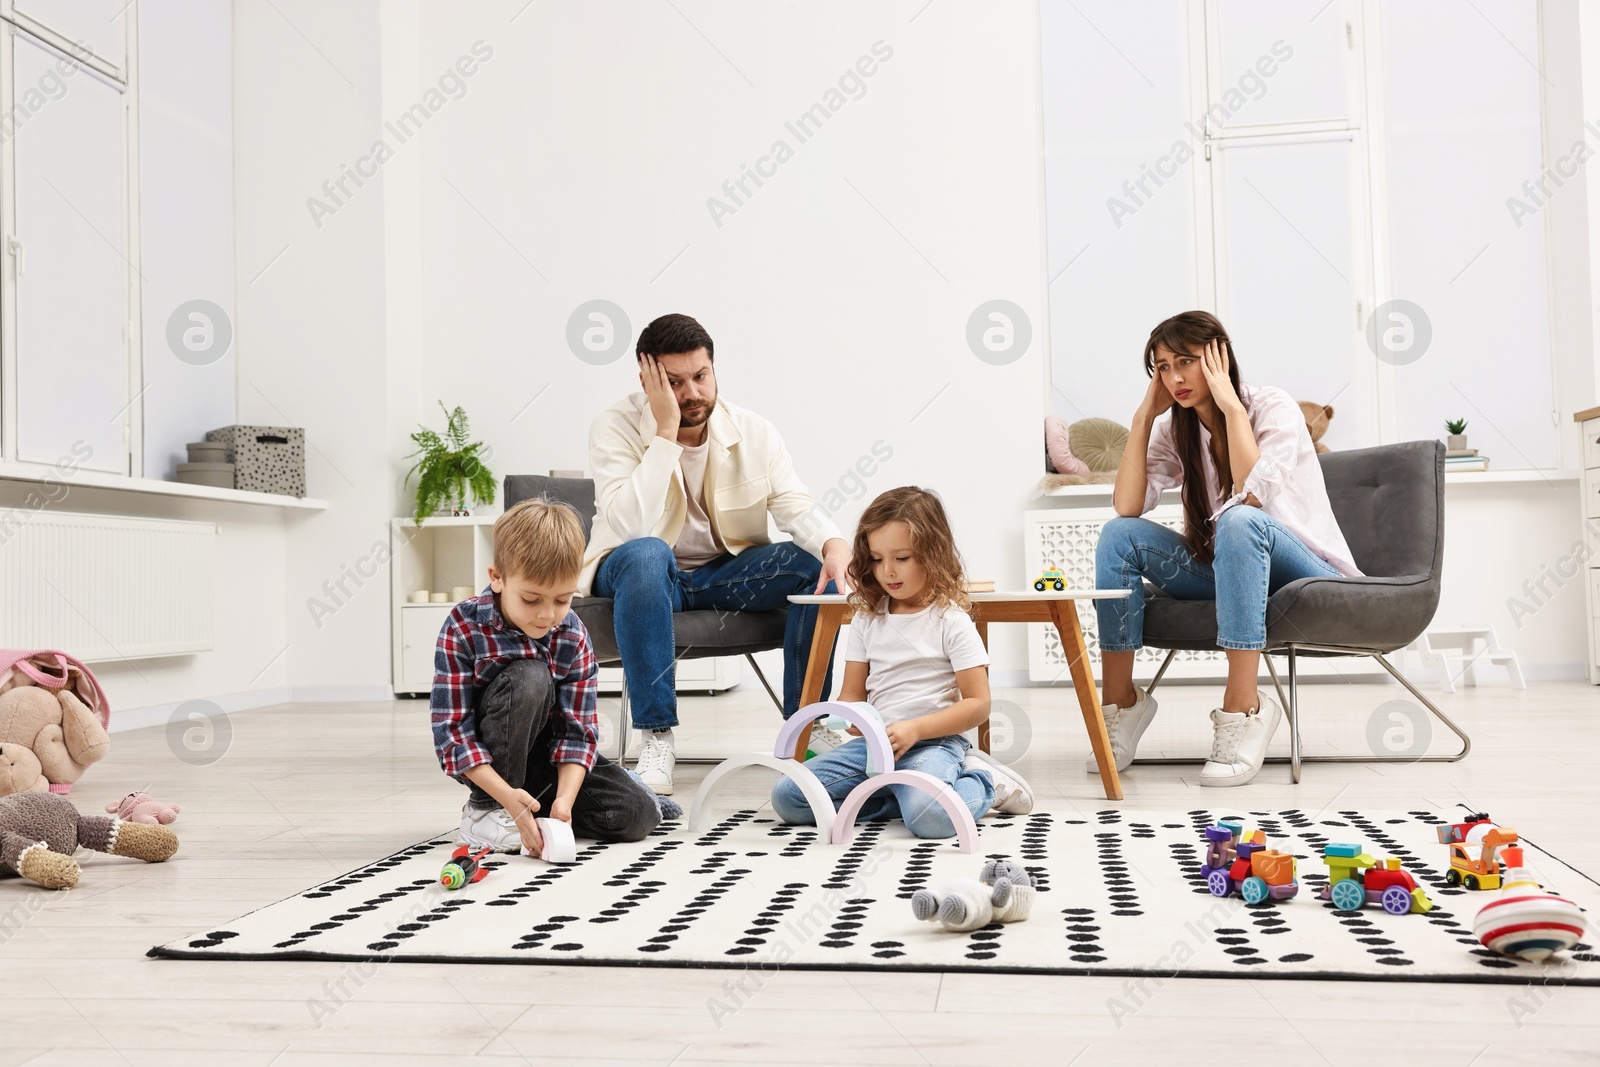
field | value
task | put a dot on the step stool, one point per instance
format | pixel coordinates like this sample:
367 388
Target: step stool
1456 653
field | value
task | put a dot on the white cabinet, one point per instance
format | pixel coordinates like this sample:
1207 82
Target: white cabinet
447 552
68 241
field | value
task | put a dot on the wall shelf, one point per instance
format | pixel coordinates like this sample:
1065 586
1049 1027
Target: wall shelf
28 472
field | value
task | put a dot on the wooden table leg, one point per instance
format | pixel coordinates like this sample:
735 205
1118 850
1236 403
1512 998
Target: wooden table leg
823 635
983 727
1065 615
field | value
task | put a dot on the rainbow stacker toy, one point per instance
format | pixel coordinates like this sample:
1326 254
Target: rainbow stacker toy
1239 862
1355 878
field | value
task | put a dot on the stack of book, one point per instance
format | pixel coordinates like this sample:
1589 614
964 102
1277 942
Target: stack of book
1465 459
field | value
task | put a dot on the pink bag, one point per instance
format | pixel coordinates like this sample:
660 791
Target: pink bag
54 670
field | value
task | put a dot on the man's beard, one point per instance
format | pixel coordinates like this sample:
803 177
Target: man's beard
699 417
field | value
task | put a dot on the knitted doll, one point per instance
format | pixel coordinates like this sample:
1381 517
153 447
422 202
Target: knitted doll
142 807
39 832
1002 892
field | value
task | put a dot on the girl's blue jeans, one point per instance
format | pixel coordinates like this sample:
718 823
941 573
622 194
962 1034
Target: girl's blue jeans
845 768
1254 557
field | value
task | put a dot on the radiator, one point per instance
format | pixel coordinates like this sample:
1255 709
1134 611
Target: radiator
1065 538
106 587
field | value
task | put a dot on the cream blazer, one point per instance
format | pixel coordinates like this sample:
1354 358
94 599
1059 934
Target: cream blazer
639 489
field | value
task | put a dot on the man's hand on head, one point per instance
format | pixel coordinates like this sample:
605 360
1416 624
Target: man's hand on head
663 404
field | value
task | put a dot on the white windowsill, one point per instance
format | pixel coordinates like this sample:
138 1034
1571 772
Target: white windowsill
30 472
1450 478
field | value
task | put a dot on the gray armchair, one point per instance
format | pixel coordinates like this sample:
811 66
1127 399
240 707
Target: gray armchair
1389 502
697 634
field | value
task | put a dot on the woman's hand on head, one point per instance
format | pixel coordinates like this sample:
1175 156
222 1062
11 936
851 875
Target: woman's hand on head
1214 362
1156 398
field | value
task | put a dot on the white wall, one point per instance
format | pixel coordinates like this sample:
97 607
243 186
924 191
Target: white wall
311 338
838 294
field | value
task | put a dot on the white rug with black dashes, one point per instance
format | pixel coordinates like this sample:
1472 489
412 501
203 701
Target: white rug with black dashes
1119 893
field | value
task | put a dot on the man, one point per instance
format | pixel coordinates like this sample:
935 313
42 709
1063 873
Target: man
684 483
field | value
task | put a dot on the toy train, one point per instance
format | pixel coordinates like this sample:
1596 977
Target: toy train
1237 862
1355 879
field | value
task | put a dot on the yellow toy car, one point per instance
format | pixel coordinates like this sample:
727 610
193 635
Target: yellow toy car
1051 579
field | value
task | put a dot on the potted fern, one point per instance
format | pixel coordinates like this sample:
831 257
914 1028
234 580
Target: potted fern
449 468
1457 441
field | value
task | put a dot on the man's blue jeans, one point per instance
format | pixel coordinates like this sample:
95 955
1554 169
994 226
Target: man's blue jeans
643 578
845 767
1254 557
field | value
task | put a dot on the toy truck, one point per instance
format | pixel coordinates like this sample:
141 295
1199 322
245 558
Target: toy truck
1475 852
1355 878
1239 862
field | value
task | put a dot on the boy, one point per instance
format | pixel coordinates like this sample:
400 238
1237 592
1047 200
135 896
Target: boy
513 702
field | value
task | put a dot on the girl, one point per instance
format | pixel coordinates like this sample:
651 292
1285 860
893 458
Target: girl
1255 517
915 654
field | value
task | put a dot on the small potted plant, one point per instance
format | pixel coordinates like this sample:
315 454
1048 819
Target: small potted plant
1457 441
449 468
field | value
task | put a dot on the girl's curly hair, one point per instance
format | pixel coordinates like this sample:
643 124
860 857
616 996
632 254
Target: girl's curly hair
931 541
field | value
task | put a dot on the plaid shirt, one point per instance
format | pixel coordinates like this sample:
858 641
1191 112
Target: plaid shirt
475 644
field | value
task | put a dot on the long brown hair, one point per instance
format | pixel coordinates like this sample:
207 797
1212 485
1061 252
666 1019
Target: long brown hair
931 542
1180 334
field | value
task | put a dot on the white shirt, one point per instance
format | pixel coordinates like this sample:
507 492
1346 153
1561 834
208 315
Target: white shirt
912 659
1287 479
697 544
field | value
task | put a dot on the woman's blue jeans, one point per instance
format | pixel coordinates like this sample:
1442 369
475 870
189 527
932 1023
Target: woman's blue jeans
1254 557
845 767
642 576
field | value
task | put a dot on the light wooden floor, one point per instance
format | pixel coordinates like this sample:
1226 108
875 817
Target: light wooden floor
303 792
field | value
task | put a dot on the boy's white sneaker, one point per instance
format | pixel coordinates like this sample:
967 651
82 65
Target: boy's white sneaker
1012 794
491 828
656 762
1125 726
1240 743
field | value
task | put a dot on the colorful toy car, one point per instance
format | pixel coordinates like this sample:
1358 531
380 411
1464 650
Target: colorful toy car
1473 847
1051 578
1355 878
1239 862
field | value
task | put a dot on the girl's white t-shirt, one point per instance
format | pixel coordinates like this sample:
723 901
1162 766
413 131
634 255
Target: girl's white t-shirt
912 659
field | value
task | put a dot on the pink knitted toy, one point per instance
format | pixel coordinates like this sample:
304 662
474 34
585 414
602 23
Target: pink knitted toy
141 807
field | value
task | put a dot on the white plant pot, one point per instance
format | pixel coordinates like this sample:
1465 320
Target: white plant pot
1456 441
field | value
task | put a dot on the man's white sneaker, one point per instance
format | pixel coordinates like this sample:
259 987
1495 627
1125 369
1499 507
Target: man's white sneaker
1240 743
1125 726
1012 794
824 740
492 828
656 762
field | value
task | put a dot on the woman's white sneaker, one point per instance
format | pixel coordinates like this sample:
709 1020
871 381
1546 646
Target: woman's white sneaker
1125 726
1240 743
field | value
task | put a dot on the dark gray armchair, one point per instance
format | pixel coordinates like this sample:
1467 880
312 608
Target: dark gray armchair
1389 502
697 634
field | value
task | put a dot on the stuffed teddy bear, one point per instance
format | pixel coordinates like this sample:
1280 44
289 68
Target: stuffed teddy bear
39 832
142 807
1002 892
1317 417
58 728
20 771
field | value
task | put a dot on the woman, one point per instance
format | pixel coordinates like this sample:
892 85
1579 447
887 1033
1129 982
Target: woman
1255 517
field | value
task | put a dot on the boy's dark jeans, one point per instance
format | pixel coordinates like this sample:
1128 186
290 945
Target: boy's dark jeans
516 719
